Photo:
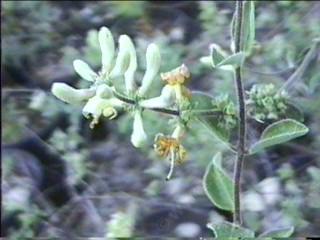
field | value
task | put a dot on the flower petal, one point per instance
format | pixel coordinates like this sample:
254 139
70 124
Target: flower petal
166 99
84 70
129 74
71 95
107 48
153 60
123 59
104 91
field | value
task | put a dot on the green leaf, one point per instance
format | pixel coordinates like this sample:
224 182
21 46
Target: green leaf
233 32
218 186
303 67
278 233
226 230
248 28
234 60
217 54
279 132
203 102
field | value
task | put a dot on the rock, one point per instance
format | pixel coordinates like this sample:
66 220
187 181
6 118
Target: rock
187 230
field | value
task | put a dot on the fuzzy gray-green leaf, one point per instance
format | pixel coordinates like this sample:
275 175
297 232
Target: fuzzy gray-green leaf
226 230
279 132
235 60
218 185
204 102
278 233
248 31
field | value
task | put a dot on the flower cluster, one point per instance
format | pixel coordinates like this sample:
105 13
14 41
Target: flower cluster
102 99
265 102
228 117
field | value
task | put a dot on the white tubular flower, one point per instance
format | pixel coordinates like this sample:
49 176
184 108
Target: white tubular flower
97 106
71 95
129 74
138 136
153 60
178 132
166 99
107 48
123 58
84 70
104 91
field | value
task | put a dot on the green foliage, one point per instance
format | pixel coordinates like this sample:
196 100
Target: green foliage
128 9
211 25
279 132
218 186
28 30
219 59
29 219
221 114
248 31
90 50
278 233
226 230
121 224
313 187
266 103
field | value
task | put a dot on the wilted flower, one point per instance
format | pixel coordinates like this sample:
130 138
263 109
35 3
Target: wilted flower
176 79
174 91
170 147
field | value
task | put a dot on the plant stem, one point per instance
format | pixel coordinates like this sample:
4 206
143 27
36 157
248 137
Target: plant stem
242 118
133 102
165 110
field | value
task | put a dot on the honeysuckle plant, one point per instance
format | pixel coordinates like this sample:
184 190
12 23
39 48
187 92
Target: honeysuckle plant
219 114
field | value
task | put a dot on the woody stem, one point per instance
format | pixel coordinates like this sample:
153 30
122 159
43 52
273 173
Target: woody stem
237 218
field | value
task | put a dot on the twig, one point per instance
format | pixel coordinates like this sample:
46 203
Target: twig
164 110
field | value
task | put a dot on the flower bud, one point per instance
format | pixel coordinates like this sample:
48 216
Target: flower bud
107 48
138 136
166 99
84 70
123 59
129 74
153 60
71 95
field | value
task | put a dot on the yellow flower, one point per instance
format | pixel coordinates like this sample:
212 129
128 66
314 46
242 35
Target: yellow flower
176 76
176 79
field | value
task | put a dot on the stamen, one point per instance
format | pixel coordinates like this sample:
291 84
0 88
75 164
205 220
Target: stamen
171 165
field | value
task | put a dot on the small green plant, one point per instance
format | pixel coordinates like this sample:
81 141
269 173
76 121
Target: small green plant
264 103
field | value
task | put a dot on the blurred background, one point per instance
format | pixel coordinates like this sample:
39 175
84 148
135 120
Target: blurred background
62 179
